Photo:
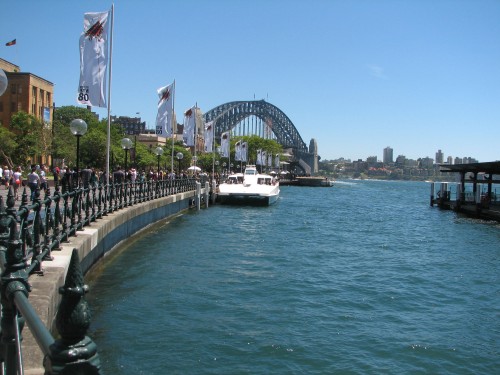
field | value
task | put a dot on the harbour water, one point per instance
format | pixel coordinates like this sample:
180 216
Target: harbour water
361 278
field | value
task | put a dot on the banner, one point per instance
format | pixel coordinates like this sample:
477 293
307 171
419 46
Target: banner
237 151
244 152
209 136
224 143
189 126
259 157
277 161
165 115
93 59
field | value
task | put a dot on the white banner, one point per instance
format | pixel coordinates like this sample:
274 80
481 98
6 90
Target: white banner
237 151
93 59
189 126
244 152
209 136
165 115
259 157
224 143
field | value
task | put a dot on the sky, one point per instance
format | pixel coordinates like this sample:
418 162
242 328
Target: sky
356 75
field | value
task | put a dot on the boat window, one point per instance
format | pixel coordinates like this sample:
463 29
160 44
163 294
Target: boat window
251 171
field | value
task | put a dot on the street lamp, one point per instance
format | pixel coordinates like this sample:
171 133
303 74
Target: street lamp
179 157
159 152
126 145
78 128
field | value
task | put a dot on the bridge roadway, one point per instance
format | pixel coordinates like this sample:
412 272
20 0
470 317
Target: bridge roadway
93 243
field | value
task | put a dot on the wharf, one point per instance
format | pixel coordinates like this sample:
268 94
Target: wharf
482 201
308 181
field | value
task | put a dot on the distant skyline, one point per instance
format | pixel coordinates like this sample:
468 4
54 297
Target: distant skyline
355 75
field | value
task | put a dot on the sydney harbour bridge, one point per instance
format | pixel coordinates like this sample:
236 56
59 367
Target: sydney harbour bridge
270 122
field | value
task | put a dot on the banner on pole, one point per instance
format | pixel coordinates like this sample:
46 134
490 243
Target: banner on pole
93 59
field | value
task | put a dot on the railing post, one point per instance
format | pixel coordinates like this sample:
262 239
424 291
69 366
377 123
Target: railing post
74 352
14 278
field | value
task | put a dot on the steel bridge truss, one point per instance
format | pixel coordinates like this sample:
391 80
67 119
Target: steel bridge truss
226 116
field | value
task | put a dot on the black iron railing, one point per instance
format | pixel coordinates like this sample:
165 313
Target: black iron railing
27 238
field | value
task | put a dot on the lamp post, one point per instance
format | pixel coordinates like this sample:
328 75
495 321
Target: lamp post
159 152
179 157
126 145
78 128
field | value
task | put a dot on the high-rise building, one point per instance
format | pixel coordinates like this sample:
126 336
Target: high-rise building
439 157
388 155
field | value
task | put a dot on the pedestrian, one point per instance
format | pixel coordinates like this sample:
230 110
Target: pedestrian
86 175
7 175
17 177
43 177
33 181
118 175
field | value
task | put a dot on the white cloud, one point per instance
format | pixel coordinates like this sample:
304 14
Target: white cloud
377 71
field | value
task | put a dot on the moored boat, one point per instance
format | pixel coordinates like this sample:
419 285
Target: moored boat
249 188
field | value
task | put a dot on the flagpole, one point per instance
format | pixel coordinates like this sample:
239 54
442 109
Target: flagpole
108 143
195 135
213 151
173 112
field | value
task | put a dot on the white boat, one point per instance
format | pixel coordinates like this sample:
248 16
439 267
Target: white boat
251 188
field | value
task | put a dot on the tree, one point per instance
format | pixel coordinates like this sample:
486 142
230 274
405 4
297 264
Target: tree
93 145
32 136
8 145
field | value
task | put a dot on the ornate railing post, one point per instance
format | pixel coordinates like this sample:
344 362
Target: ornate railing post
49 224
74 352
14 278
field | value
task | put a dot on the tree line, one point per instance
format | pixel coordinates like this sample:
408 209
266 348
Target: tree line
29 141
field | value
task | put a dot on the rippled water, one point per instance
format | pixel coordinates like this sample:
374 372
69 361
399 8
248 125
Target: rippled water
360 278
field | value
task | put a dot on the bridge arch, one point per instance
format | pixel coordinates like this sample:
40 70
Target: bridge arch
226 116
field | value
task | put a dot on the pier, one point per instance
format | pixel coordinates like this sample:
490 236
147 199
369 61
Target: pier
475 195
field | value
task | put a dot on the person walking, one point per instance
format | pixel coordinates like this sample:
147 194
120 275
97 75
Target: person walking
17 177
43 177
33 181
7 176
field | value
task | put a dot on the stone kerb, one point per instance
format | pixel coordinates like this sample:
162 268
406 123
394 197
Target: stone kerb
93 243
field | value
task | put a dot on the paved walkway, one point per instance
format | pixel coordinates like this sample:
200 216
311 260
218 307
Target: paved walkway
4 192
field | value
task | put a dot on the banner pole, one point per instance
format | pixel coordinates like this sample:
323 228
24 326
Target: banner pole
108 143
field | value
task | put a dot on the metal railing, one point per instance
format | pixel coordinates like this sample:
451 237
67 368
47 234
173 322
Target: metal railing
27 238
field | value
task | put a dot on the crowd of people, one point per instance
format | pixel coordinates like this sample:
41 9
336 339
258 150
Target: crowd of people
67 176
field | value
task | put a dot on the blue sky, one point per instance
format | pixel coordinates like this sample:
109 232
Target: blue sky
357 75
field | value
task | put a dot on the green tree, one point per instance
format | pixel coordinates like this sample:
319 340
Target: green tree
8 146
32 136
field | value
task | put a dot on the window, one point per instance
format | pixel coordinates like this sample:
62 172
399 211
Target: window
13 88
1 106
13 106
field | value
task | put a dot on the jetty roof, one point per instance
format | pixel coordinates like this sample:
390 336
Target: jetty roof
488 167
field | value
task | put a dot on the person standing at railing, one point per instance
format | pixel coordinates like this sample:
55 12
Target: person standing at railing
86 175
33 181
118 175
